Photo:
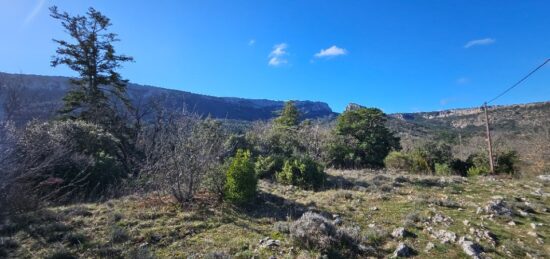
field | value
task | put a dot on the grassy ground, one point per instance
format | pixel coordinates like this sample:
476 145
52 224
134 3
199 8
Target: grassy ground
148 227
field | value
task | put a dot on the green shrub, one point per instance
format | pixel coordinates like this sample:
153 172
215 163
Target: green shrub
506 162
241 181
70 160
475 171
302 172
267 166
435 153
419 163
398 161
119 235
459 167
479 164
361 139
442 169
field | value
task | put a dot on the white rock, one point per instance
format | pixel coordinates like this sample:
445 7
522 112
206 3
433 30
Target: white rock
403 250
398 232
532 233
470 248
429 246
523 213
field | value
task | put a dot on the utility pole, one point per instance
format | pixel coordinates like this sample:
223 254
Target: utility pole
489 143
460 144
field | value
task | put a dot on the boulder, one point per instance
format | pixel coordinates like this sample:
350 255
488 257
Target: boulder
470 248
403 250
398 232
544 177
498 207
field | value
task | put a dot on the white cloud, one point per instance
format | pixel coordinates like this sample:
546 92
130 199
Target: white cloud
479 42
35 11
331 52
251 42
278 54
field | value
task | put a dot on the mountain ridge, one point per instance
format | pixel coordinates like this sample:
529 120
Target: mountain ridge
49 90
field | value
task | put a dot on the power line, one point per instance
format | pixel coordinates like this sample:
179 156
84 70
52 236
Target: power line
520 81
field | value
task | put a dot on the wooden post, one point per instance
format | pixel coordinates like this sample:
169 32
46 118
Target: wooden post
489 143
460 145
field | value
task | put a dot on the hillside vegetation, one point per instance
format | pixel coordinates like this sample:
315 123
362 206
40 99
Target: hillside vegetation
106 175
434 212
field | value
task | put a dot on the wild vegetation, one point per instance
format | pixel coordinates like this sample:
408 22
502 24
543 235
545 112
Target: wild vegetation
109 179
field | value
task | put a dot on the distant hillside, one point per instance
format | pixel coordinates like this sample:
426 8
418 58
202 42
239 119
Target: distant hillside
522 127
43 96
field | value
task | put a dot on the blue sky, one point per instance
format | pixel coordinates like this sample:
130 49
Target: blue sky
400 56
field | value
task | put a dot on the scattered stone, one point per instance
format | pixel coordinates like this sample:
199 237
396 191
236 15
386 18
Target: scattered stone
479 210
337 221
429 246
267 242
537 192
374 209
398 232
544 177
484 234
470 248
372 225
535 225
532 233
466 222
498 207
523 213
511 223
444 236
403 250
439 218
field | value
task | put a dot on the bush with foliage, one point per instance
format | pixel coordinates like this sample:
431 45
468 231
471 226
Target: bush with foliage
241 181
289 117
459 167
302 172
180 153
443 169
479 164
506 162
435 153
419 163
267 166
363 139
67 160
398 161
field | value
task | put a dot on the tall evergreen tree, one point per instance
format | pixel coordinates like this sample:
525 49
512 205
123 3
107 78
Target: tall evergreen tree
99 92
289 117
92 55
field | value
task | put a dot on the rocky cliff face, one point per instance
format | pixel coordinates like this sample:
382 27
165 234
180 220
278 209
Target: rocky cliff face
524 128
47 91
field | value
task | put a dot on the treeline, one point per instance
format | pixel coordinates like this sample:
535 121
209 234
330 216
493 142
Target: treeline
100 146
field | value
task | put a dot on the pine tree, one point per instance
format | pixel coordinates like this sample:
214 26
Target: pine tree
289 117
99 92
91 54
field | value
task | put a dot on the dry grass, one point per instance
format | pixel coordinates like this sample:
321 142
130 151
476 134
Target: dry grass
373 204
